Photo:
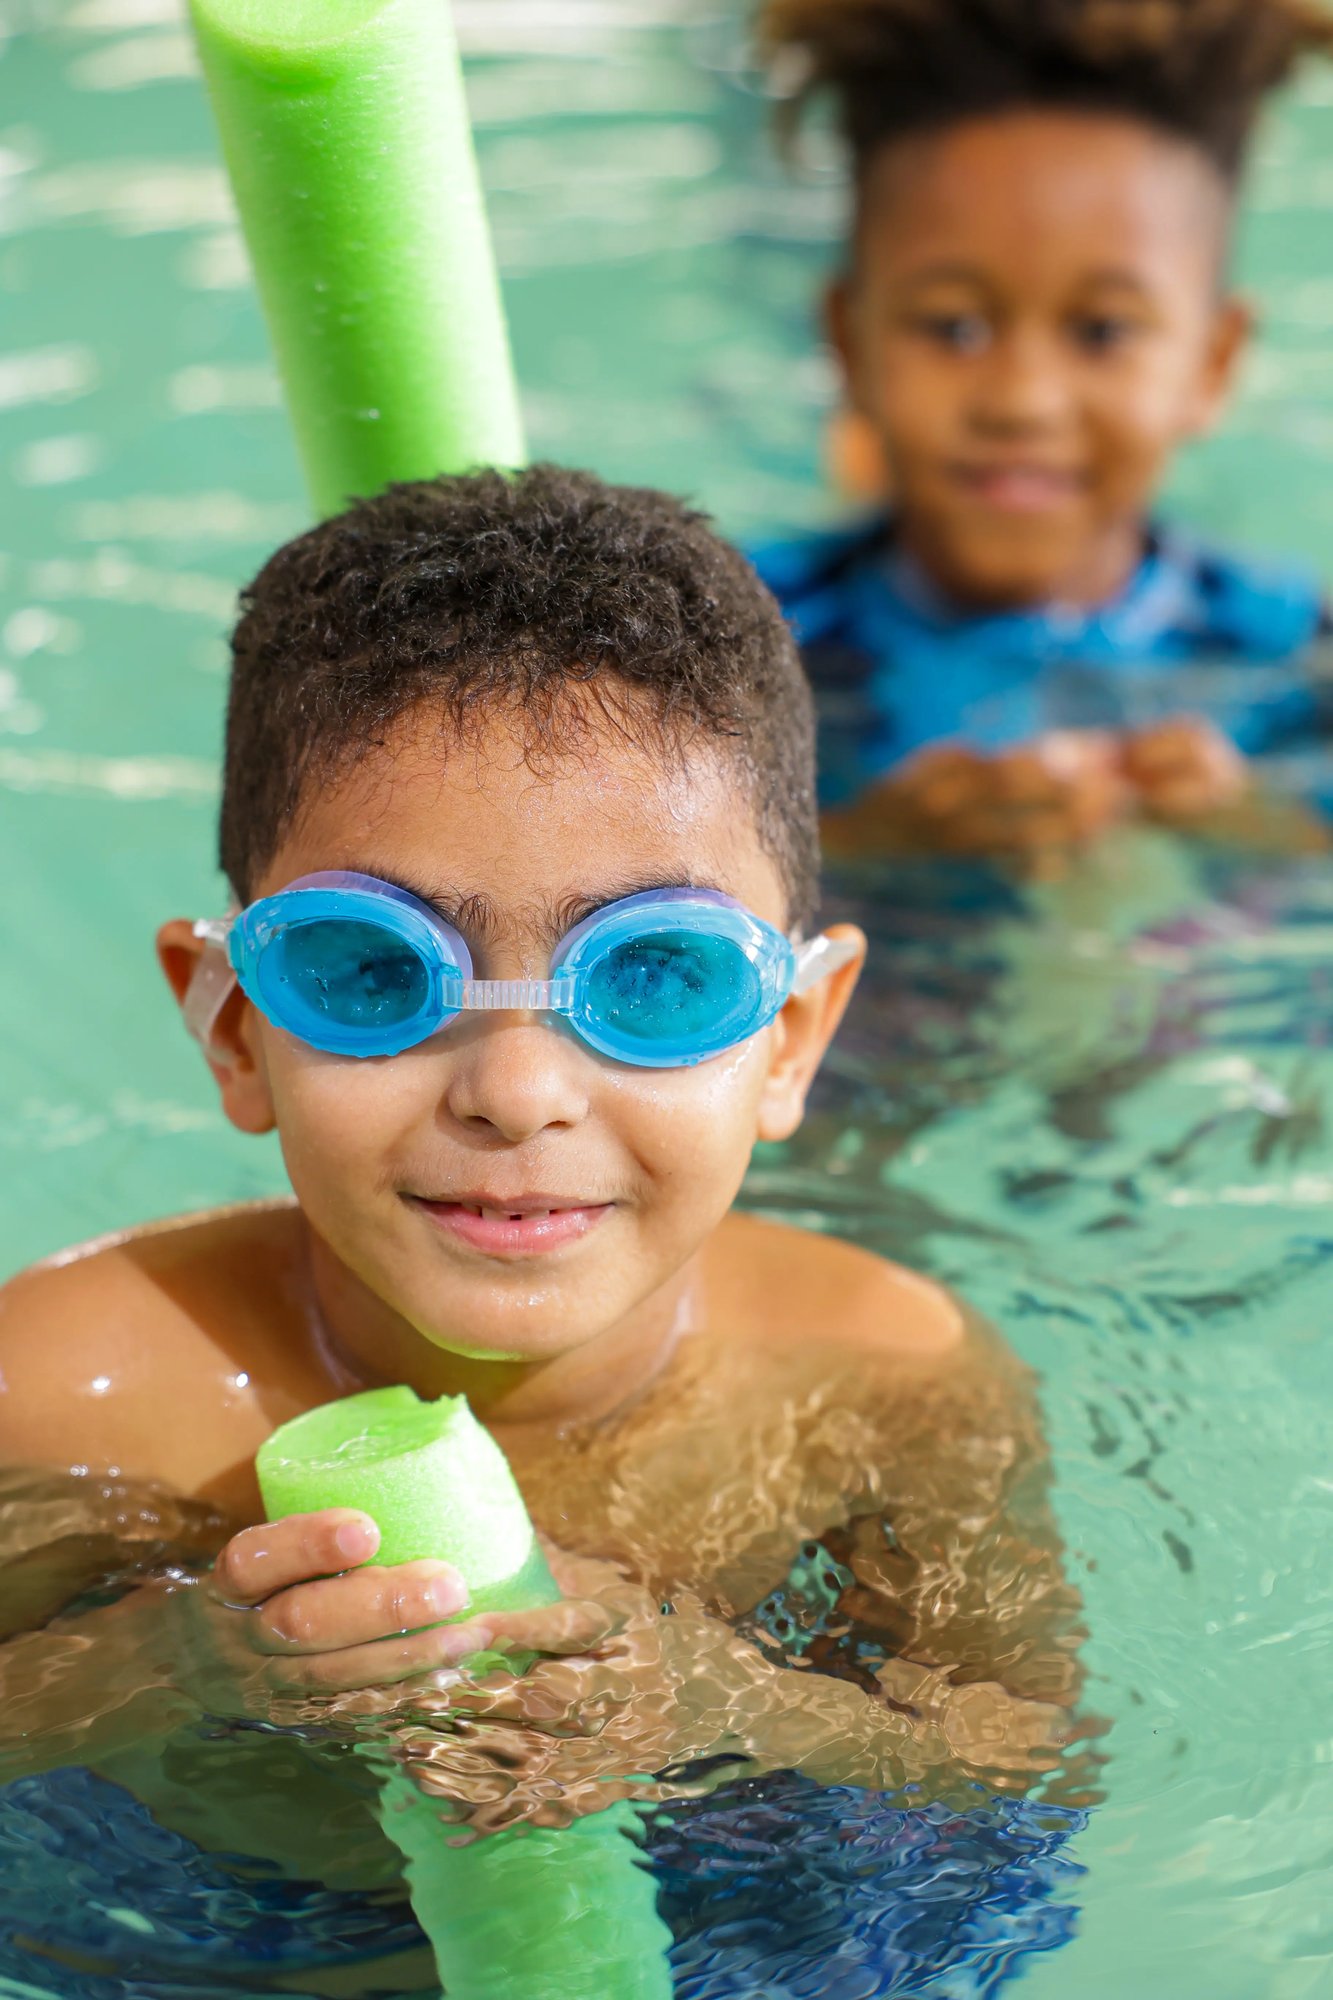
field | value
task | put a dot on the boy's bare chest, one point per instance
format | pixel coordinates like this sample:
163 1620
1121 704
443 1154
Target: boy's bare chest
713 1484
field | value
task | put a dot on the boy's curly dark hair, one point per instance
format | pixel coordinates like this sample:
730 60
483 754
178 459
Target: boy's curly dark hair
538 592
1196 68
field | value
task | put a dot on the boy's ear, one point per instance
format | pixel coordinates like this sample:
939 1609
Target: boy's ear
854 447
1228 342
805 1027
231 1054
840 329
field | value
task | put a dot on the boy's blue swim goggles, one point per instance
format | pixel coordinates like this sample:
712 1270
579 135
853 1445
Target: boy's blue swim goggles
357 967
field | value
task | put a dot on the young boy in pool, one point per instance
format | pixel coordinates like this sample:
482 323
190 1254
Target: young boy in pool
502 751
1033 318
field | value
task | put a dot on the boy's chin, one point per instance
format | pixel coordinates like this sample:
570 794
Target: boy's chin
1017 566
533 1341
551 1321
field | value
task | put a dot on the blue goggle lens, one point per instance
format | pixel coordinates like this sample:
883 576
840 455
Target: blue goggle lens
355 967
353 975
682 987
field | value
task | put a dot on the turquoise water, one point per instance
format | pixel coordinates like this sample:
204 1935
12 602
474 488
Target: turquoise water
1099 1109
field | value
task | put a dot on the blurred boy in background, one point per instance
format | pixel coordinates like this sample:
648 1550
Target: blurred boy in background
1033 317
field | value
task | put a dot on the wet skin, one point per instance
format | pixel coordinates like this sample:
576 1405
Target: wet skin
244 1322
664 1379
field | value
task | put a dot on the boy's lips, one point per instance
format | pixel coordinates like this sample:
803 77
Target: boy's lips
1015 487
525 1226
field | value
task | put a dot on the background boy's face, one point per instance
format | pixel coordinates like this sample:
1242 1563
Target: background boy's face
504 1108
1033 326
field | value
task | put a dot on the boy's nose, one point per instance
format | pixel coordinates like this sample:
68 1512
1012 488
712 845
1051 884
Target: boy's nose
1022 388
518 1075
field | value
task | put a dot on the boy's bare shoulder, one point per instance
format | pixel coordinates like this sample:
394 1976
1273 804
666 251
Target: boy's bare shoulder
781 1280
157 1353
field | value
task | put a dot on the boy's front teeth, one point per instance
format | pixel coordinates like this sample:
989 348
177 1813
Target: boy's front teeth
507 1214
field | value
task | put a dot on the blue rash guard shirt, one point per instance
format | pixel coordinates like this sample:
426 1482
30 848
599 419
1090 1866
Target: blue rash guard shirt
895 667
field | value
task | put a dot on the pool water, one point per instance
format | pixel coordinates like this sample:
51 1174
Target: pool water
1097 1108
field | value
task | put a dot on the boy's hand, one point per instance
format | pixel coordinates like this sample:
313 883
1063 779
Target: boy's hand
1037 804
1183 769
293 1606
1031 805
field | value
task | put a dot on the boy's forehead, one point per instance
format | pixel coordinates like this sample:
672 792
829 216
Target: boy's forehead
508 823
1026 179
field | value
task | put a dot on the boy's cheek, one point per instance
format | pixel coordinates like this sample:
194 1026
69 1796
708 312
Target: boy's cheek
688 1116
676 1142
340 1125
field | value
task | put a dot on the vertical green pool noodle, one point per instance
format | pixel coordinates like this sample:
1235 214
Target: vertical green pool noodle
346 136
535 1913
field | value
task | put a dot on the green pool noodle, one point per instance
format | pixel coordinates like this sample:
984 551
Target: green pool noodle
434 1481
533 1913
346 136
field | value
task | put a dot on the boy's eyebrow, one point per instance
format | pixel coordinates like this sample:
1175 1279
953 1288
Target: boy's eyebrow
1116 277
1108 277
946 272
476 916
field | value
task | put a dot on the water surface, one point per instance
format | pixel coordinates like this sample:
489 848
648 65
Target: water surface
1098 1109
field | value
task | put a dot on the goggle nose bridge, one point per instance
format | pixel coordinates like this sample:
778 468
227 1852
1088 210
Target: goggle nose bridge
555 996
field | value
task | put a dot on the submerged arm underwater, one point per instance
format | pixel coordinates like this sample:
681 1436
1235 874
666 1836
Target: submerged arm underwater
926 1636
673 1700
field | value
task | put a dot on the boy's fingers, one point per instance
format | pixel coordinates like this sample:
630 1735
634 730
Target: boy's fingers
1179 736
996 830
260 1561
572 1626
357 1609
1185 798
385 1662
944 782
937 759
1183 746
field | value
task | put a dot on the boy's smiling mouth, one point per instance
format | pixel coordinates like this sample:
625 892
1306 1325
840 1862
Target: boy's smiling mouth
521 1226
1018 486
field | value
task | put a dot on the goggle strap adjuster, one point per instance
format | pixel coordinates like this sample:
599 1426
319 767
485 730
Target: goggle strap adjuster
819 957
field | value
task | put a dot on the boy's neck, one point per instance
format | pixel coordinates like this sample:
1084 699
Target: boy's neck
365 1343
1102 574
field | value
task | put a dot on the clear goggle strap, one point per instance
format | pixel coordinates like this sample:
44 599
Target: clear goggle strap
211 985
818 958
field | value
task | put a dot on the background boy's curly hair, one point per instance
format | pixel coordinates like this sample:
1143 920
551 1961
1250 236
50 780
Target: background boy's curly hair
1197 68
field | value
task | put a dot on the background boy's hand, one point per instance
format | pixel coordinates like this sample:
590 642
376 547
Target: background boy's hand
1038 803
1183 769
1031 804
294 1606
